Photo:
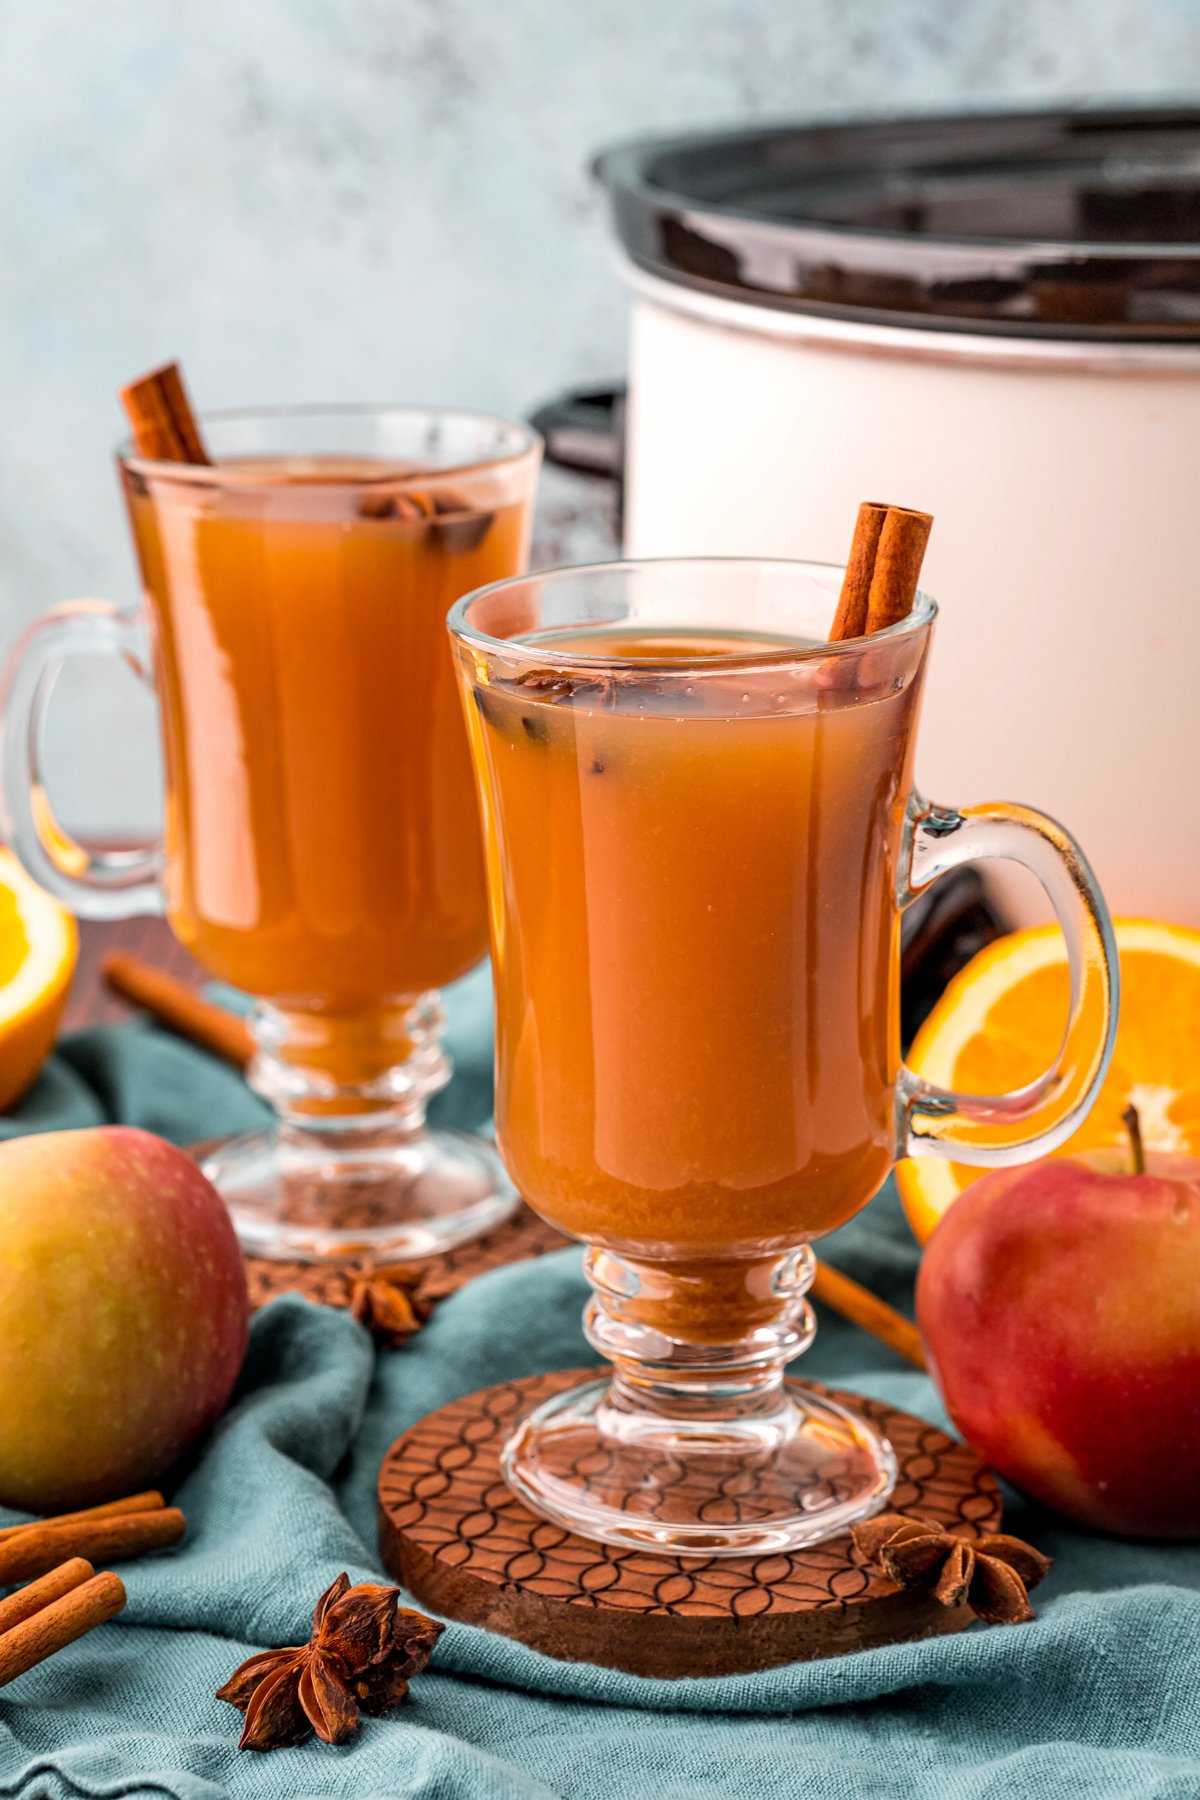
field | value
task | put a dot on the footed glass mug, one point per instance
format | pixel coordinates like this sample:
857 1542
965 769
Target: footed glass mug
701 833
321 847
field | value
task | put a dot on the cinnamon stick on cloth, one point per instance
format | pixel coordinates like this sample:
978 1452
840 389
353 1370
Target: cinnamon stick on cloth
882 571
151 1501
29 1600
161 418
37 1548
866 1310
179 1007
79 1610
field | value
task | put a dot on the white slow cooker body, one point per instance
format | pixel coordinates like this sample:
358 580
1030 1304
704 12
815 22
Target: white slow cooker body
1063 480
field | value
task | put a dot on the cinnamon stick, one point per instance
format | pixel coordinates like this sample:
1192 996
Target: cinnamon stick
863 1308
161 418
178 1007
111 1509
59 1624
29 1600
854 601
882 571
897 570
39 1548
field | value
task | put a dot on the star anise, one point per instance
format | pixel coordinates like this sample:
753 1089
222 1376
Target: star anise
363 1649
392 1302
396 503
991 1575
555 684
453 520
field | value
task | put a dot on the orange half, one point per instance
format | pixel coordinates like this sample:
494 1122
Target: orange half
1000 1023
38 947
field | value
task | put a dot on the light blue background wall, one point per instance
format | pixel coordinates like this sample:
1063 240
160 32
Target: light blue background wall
364 199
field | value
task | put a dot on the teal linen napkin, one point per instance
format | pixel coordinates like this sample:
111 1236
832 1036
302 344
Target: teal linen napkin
1097 1698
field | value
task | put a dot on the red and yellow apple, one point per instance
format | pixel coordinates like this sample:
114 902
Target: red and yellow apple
123 1314
1060 1309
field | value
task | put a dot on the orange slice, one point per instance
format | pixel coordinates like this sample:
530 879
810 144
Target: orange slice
38 947
1000 1022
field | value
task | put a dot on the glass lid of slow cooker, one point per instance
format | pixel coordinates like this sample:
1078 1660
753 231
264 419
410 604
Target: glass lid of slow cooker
1070 223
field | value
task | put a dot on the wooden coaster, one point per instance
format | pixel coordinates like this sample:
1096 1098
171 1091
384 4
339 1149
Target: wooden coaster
522 1235
451 1531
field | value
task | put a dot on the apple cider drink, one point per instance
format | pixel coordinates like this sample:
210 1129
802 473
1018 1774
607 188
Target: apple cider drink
321 830
321 847
695 940
702 831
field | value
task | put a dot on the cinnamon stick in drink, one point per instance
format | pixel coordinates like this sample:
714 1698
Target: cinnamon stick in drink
898 559
54 1626
161 418
882 571
854 602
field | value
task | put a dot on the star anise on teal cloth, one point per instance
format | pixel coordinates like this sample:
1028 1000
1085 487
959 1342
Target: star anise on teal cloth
393 1302
364 1648
991 1574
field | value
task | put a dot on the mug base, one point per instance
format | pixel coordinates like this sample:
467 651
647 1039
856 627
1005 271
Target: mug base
302 1197
725 1490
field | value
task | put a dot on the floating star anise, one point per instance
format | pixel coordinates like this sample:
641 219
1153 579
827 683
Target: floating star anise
363 1649
991 1575
391 1302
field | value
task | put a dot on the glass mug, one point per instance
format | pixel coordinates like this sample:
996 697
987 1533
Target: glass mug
701 832
321 841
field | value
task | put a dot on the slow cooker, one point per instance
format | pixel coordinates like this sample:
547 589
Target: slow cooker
992 318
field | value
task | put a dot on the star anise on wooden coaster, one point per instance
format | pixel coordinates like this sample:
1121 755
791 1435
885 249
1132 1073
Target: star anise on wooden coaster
392 1302
363 1649
991 1575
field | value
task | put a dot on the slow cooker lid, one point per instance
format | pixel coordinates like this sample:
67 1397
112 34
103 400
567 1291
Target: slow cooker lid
1074 223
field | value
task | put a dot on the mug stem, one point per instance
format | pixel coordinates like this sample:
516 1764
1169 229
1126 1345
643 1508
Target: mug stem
699 1443
354 1071
666 1329
349 1166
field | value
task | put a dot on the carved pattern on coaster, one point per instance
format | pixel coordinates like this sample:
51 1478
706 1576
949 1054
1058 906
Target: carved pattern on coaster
521 1236
462 1542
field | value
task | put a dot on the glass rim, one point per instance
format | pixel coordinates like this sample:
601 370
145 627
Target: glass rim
919 618
526 438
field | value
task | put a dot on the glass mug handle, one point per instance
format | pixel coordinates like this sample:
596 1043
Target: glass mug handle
95 884
997 1130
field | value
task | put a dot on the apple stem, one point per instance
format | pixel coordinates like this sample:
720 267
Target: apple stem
1133 1125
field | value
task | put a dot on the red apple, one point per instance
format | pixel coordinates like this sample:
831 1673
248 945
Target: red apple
123 1314
1060 1309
